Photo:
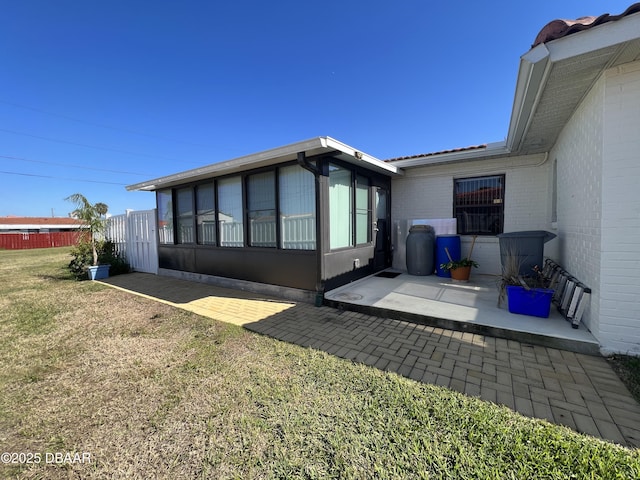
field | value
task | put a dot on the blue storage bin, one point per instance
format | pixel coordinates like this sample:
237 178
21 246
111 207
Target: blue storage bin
451 243
535 301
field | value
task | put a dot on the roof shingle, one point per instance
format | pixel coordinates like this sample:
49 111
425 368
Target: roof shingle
561 28
453 150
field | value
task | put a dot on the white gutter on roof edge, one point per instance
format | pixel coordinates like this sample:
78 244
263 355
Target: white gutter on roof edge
536 64
334 144
597 37
318 143
532 75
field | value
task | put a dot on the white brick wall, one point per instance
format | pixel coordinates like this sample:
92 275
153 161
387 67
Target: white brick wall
578 153
620 266
598 204
598 155
427 192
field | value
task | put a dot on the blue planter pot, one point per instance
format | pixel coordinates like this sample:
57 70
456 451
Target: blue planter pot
535 301
98 272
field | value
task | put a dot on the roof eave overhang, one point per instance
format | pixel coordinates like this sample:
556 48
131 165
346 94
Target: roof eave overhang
533 73
492 150
536 64
534 68
312 147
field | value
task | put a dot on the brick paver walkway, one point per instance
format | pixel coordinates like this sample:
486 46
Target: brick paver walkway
579 391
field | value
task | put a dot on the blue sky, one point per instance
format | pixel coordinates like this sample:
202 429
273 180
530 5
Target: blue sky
95 95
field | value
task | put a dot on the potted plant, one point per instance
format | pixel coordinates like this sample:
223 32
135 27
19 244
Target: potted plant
460 270
526 295
94 219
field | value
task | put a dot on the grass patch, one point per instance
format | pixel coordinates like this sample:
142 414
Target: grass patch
628 369
156 392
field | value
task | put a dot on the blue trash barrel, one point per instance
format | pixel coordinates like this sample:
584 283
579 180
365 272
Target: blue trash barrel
420 250
451 243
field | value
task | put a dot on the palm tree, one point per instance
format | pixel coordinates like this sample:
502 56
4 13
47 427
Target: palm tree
93 217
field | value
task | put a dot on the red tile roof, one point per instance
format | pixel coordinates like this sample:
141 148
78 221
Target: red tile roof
39 221
561 28
453 150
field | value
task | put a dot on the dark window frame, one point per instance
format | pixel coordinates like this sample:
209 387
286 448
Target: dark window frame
244 181
200 214
181 235
358 211
355 173
479 210
166 226
243 200
282 206
249 213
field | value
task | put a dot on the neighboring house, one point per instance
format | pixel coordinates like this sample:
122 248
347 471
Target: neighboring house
313 215
38 224
38 232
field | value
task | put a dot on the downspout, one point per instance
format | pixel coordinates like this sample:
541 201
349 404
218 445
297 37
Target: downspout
307 165
544 160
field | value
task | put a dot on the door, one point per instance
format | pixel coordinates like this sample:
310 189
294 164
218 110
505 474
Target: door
382 230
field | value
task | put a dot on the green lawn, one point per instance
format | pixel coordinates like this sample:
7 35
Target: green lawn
150 391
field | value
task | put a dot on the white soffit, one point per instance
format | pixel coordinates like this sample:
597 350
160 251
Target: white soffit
554 77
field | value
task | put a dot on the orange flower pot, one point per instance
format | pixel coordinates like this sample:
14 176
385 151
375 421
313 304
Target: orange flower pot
461 274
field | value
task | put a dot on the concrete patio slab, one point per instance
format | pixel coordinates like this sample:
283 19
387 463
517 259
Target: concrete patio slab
471 307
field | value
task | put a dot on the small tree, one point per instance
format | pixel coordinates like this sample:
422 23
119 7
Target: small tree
93 217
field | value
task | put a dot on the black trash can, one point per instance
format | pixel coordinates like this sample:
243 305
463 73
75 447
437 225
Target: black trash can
421 250
526 246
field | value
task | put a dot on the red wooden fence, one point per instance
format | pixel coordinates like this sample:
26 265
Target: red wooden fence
21 241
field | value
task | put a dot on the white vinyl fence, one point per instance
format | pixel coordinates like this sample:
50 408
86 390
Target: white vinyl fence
134 235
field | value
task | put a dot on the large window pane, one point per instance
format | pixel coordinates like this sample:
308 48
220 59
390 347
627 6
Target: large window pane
297 208
261 209
230 212
340 207
479 205
206 214
184 214
363 212
165 216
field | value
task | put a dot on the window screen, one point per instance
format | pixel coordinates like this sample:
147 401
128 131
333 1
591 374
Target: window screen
363 211
261 209
165 216
340 207
206 214
230 212
184 214
297 208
